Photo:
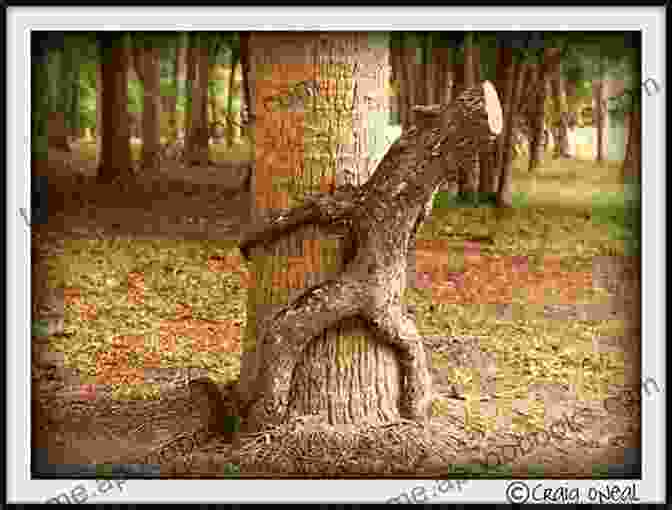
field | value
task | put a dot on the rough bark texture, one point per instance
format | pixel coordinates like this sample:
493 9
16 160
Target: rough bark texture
600 120
632 162
468 184
116 159
504 190
380 218
150 74
560 124
317 98
537 145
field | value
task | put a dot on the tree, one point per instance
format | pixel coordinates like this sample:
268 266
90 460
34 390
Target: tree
245 72
147 64
198 133
317 97
300 371
600 114
115 161
513 79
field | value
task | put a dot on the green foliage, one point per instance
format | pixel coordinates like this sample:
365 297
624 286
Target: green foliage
135 96
446 200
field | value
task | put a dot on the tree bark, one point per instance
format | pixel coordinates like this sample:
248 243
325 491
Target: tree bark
537 145
229 105
504 190
600 119
560 123
246 80
469 184
116 161
178 76
197 148
633 153
150 74
99 112
290 162
379 218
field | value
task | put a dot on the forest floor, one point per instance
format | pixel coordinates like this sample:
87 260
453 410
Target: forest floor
532 316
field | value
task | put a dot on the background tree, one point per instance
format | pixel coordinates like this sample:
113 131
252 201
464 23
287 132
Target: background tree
146 62
197 129
116 161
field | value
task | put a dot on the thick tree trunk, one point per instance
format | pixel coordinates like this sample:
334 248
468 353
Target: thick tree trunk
290 162
379 219
116 161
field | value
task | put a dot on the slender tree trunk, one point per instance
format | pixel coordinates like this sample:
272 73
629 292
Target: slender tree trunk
198 135
600 119
285 152
151 114
229 105
504 191
632 163
469 184
40 97
178 81
246 79
537 145
116 161
99 113
430 66
560 125
405 84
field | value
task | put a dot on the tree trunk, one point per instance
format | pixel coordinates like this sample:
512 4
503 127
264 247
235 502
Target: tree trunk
99 113
116 161
151 113
178 76
560 123
302 370
229 105
513 76
441 56
600 118
40 97
246 79
290 162
632 162
197 149
405 84
469 184
537 145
